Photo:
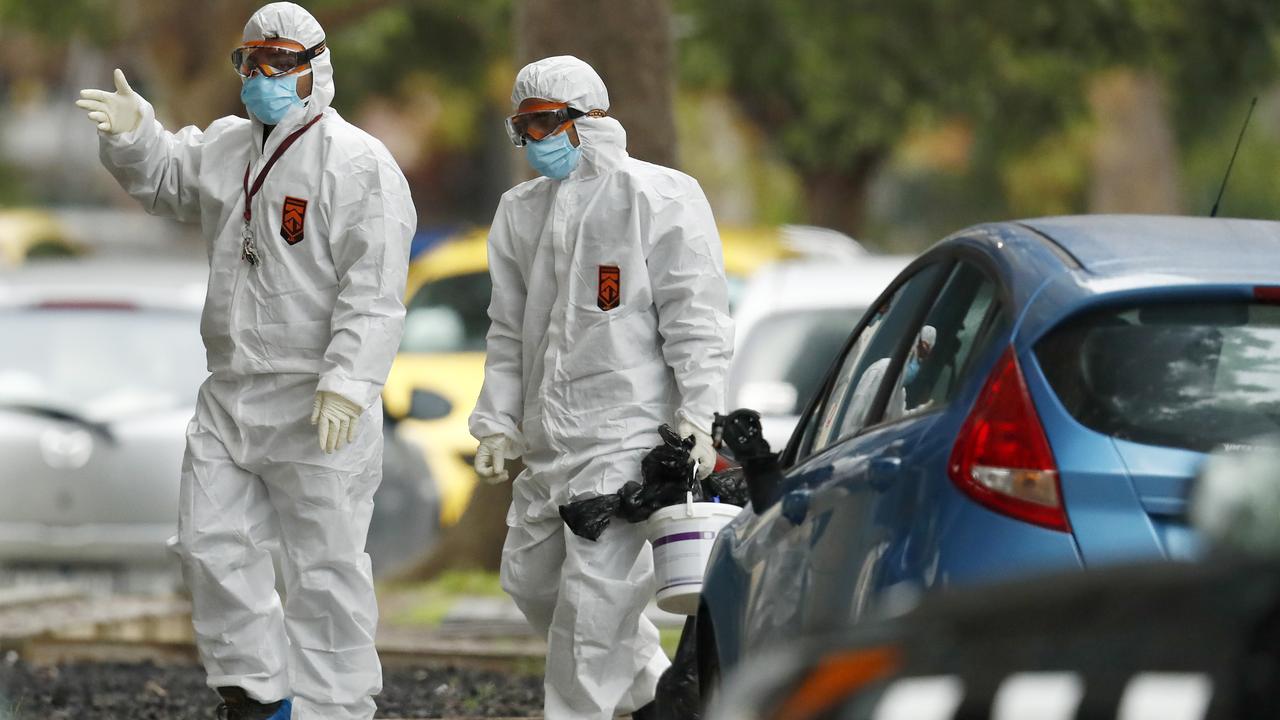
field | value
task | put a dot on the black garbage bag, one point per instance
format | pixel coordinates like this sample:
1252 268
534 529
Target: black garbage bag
727 486
648 499
667 472
669 464
679 694
588 518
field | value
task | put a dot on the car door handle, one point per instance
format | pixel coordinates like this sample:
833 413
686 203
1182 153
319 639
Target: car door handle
795 505
883 471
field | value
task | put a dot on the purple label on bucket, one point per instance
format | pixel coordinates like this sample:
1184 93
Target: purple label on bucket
677 537
679 582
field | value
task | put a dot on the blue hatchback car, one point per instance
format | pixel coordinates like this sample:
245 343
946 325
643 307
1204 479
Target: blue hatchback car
1025 397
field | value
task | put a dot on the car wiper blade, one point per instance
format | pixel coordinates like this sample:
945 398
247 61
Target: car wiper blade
53 413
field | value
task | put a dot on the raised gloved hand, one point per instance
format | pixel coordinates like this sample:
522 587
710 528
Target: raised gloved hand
335 418
491 459
702 451
117 112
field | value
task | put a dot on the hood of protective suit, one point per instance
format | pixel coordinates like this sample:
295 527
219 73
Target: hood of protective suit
290 21
567 79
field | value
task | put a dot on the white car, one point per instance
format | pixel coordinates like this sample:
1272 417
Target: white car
790 324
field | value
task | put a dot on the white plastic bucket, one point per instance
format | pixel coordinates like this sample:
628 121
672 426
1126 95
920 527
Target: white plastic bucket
682 536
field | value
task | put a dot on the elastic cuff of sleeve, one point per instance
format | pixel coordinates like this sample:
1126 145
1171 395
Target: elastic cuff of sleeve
358 392
481 429
697 421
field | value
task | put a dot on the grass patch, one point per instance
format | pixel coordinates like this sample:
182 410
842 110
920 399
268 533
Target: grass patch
468 582
670 638
427 604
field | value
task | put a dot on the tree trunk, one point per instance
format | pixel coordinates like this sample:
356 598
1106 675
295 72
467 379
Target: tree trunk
1135 158
838 199
629 44
475 542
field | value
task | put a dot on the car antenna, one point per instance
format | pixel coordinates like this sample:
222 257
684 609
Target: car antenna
1216 203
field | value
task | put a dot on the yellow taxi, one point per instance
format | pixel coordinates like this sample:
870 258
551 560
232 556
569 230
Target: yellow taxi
27 233
436 377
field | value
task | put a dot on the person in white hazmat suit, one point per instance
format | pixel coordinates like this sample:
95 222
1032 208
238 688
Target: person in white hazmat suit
609 317
307 222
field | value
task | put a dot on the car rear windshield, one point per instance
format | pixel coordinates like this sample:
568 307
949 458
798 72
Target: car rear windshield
1195 376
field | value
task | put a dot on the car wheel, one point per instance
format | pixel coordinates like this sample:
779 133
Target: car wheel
708 661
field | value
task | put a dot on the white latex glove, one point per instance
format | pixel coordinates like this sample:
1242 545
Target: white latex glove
117 112
335 418
491 459
702 451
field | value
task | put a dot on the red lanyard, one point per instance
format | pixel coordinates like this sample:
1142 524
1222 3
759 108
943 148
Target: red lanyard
262 176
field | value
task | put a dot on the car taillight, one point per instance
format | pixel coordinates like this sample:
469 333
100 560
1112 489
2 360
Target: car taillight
1267 293
1002 458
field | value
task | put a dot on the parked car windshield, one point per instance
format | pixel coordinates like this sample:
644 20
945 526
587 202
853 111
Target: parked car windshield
448 315
1194 376
100 363
784 359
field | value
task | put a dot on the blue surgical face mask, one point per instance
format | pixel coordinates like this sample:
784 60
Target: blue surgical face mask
913 368
553 156
270 99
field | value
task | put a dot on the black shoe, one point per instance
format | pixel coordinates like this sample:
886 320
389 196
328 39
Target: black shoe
237 705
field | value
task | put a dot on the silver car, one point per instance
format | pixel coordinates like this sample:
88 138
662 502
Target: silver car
100 363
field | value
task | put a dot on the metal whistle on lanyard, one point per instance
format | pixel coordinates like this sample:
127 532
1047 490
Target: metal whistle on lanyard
248 248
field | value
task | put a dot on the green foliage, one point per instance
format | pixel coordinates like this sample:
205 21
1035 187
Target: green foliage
453 42
61 19
15 189
834 80
1251 190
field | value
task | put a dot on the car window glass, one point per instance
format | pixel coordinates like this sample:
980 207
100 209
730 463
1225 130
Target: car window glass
848 404
1198 375
943 344
448 315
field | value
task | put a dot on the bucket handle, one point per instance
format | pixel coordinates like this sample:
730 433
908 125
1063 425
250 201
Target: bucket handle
688 495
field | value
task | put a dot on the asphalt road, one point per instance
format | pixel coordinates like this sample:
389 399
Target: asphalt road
110 691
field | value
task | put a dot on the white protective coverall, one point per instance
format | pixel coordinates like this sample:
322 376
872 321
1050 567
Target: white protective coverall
581 389
323 313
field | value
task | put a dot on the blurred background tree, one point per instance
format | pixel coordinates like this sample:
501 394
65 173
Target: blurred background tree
1030 100
896 121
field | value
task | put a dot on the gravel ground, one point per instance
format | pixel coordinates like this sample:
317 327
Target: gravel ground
106 691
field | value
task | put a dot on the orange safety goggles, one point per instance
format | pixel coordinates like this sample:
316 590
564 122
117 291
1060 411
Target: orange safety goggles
537 121
273 58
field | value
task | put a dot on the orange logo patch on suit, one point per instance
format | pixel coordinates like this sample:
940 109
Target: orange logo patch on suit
609 296
292 219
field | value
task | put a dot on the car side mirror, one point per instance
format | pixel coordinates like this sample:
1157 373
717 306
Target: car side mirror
428 405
